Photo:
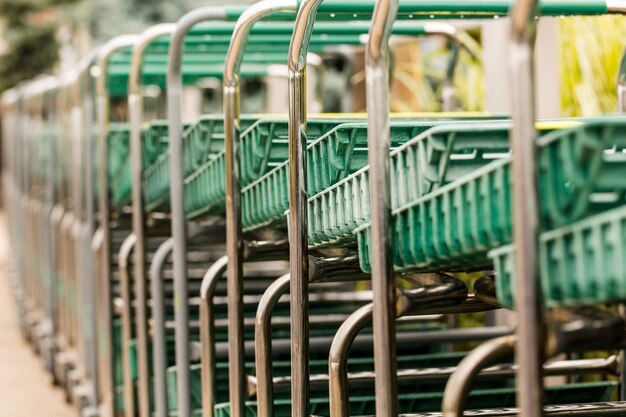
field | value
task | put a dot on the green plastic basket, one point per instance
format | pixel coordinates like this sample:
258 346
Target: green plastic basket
454 226
581 263
154 140
446 151
263 146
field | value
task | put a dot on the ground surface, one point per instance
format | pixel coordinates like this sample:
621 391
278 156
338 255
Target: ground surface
25 388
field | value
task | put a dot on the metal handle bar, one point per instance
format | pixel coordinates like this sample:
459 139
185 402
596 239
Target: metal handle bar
443 291
135 112
234 241
256 251
530 329
126 250
322 270
572 331
102 239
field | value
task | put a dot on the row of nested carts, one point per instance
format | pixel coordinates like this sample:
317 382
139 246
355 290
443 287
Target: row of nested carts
243 263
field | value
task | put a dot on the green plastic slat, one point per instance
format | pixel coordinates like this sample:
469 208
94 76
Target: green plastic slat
457 224
338 153
580 264
337 211
416 9
118 138
202 142
263 146
154 139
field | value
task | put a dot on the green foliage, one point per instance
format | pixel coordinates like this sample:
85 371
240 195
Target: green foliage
590 53
32 49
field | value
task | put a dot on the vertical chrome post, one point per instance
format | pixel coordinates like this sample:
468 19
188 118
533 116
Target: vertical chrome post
263 345
298 235
177 197
124 255
207 333
102 240
159 343
529 354
234 240
135 112
383 284
87 97
338 360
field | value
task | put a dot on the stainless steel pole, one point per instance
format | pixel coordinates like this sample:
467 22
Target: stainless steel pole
135 112
177 197
101 243
529 355
383 283
234 240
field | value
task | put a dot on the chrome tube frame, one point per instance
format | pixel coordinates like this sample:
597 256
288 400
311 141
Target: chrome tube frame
234 239
135 113
344 268
207 333
441 292
177 194
298 234
530 355
86 99
256 250
263 345
383 284
101 243
127 248
159 345
459 383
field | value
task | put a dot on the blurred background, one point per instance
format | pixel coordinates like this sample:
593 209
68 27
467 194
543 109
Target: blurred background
49 36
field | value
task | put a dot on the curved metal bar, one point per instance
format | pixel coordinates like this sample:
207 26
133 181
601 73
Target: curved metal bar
124 265
159 345
529 356
338 360
383 285
570 330
177 194
87 105
207 333
459 383
102 239
135 113
323 269
234 240
263 345
439 291
256 250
